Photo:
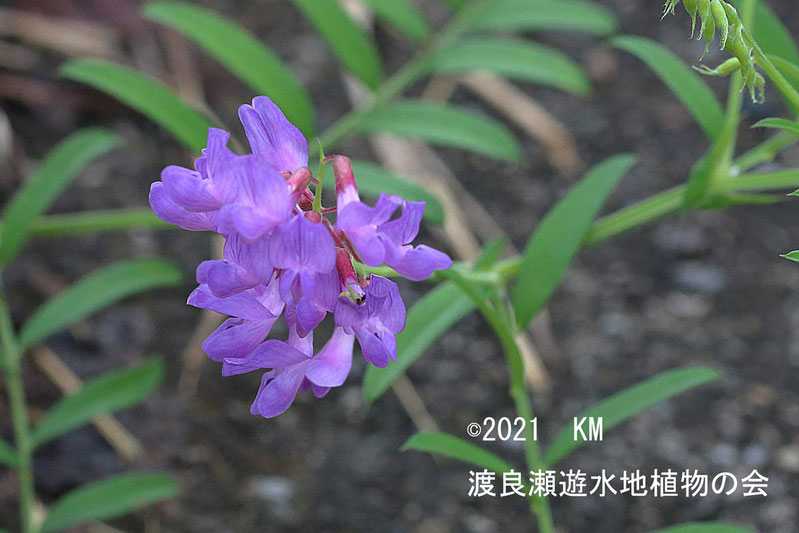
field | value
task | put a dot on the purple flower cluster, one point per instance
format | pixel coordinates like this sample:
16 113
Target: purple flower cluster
282 257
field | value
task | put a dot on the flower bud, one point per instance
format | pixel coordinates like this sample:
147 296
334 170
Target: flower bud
691 8
720 18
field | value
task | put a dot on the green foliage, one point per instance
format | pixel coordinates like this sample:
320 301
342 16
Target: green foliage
785 125
692 91
108 498
560 235
793 256
428 319
351 45
630 402
537 15
451 446
515 59
114 391
402 15
719 15
241 53
442 124
96 221
146 95
95 292
55 172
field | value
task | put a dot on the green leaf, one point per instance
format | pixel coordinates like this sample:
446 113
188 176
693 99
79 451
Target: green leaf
146 95
351 45
704 527
95 292
442 124
779 123
403 16
97 221
427 320
683 81
535 15
374 179
8 455
793 256
515 59
243 54
560 235
55 172
630 402
114 391
451 446
108 498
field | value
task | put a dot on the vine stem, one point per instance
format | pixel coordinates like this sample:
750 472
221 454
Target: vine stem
12 356
496 312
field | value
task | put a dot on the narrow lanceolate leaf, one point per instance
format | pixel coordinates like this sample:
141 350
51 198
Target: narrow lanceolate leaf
427 320
8 455
351 45
402 15
704 527
513 58
683 81
111 392
779 123
451 446
95 292
374 179
146 95
559 236
444 125
793 256
630 402
243 54
456 5
108 498
96 222
534 15
55 172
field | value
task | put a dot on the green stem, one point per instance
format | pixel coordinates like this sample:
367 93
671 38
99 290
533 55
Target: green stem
403 78
782 179
12 356
764 152
772 71
498 317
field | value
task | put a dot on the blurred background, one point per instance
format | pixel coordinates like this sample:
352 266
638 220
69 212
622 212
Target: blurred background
699 288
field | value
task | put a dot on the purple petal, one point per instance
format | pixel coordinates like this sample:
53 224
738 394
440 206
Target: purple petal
273 139
224 279
404 229
252 257
348 314
269 354
417 264
279 392
236 338
373 348
383 301
189 190
332 365
167 210
301 244
241 305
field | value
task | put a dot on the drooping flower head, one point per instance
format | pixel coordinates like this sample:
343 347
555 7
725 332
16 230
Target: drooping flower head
282 257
